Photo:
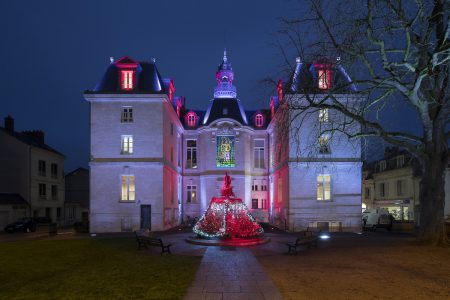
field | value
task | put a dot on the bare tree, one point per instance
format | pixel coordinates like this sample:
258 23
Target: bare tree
398 53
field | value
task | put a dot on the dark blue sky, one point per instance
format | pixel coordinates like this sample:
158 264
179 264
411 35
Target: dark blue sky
54 50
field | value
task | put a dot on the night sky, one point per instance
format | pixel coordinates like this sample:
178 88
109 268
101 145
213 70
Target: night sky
52 51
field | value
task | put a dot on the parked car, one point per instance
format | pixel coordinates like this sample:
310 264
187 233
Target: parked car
43 220
24 224
374 218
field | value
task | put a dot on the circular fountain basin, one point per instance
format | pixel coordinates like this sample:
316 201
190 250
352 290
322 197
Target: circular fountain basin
235 242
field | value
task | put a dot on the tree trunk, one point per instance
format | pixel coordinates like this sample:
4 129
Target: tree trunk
432 193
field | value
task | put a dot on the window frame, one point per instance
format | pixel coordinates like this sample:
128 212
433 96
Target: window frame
127 80
324 115
127 185
191 188
42 168
127 115
261 154
259 120
127 144
324 144
191 152
323 184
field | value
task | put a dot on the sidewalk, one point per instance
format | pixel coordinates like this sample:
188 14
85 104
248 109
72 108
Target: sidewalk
231 273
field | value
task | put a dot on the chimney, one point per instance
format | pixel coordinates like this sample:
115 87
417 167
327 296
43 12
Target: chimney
9 123
37 135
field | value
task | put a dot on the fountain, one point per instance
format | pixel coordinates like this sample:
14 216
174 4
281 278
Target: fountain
227 221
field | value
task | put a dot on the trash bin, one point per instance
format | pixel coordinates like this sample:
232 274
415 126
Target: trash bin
52 228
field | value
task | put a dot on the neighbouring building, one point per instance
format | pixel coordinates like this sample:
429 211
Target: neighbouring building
155 162
31 176
76 205
393 183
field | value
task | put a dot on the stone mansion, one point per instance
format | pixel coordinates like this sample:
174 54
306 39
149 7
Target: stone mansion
154 162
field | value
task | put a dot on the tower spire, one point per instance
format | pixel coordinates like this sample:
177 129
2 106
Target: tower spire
225 55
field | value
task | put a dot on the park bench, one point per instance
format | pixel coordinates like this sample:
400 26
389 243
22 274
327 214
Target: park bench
145 240
305 239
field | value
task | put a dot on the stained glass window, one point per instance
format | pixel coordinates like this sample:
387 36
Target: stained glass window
225 151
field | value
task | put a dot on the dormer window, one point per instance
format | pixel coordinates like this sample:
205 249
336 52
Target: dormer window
127 80
259 120
191 119
324 79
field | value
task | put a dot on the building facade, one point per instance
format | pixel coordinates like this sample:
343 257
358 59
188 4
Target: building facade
393 183
31 176
76 206
154 162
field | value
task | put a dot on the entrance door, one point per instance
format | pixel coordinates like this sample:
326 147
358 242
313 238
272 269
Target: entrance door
146 217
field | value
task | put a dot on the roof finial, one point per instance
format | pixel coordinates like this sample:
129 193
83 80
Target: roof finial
225 55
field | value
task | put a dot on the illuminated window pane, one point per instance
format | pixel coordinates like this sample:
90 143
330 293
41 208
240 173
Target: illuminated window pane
324 79
225 152
128 188
259 120
323 115
127 144
323 187
127 80
258 153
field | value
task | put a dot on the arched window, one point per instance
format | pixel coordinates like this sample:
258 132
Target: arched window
191 119
259 120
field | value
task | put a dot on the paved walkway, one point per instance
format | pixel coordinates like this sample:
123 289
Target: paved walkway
231 273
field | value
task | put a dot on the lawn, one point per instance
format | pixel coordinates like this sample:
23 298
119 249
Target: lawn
363 267
91 269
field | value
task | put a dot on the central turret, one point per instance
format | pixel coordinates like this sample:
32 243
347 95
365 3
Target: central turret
225 76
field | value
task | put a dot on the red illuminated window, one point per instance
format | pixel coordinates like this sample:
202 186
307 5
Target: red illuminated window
127 80
324 79
259 120
191 120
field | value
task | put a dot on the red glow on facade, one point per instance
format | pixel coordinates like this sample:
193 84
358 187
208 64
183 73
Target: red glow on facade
280 90
171 91
259 120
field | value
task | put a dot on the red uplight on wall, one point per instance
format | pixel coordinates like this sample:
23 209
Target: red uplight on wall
259 120
127 79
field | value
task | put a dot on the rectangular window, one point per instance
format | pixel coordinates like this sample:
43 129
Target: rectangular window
127 144
127 115
42 190
323 115
191 196
324 144
54 170
254 203
127 79
262 204
54 192
400 188
367 193
41 168
58 212
171 154
225 152
258 153
382 189
128 188
382 165
171 129
324 79
323 187
191 154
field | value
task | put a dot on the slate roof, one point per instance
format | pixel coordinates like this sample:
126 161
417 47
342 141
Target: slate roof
148 80
12 199
29 140
304 78
232 105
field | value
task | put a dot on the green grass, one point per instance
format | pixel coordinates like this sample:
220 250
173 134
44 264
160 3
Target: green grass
91 269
